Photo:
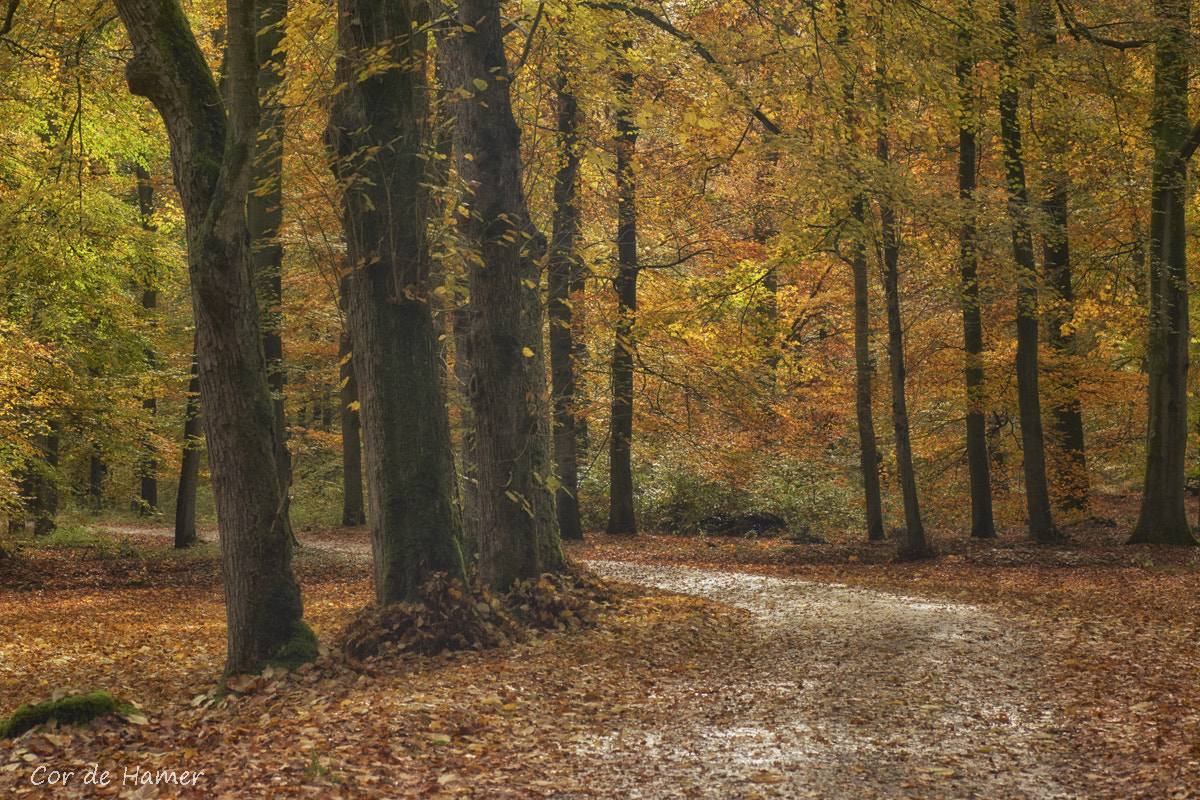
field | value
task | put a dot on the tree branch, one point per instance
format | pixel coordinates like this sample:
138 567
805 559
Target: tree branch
9 14
1080 31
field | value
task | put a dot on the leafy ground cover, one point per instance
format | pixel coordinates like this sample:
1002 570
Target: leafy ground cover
126 615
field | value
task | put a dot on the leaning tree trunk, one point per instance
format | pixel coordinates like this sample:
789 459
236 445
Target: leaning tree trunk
563 268
983 524
1162 519
518 528
621 519
1037 493
377 133
211 159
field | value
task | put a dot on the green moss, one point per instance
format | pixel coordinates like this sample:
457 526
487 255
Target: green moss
79 709
300 649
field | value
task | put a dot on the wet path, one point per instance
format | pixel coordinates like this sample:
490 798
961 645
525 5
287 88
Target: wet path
843 693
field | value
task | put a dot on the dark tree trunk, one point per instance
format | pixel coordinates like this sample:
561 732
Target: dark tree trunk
983 524
377 132
189 468
211 158
564 267
1067 447
915 545
97 473
1037 493
621 520
864 369
518 528
353 511
264 216
147 467
1162 519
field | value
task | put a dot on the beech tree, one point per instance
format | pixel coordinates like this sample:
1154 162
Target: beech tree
378 135
212 135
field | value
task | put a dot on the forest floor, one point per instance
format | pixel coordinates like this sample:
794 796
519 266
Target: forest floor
761 668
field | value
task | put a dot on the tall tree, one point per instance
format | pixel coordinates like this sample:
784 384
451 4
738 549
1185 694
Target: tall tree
189 466
564 266
1037 493
353 510
1162 518
377 132
621 520
518 528
212 135
983 524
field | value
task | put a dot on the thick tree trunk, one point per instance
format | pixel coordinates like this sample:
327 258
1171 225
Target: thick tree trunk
211 158
353 511
189 468
1037 493
264 216
563 268
378 136
983 524
915 545
621 519
1162 519
518 528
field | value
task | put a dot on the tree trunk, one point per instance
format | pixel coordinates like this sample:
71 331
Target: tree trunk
378 137
1067 446
45 481
147 468
563 268
1162 519
1037 494
983 524
518 528
353 511
864 369
264 216
915 545
211 159
97 473
189 468
621 520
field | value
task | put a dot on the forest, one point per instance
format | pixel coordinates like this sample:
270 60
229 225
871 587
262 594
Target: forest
424 308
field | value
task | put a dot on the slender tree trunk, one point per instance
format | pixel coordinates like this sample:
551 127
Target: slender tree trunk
518 527
45 481
983 524
353 510
378 136
1162 519
864 369
563 268
147 467
621 520
189 468
915 545
212 157
1037 493
1067 451
97 473
264 215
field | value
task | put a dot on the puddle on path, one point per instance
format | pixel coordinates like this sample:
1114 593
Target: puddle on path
848 694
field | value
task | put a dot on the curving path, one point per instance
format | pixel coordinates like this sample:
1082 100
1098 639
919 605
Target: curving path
845 693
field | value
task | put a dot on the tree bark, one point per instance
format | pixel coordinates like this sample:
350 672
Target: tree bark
189 468
1162 518
147 467
563 268
1037 494
518 528
983 524
621 518
354 512
377 132
212 138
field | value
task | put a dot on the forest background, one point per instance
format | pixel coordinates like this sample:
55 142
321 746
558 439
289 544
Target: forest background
773 204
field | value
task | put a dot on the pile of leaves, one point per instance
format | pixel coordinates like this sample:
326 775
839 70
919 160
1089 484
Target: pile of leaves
452 617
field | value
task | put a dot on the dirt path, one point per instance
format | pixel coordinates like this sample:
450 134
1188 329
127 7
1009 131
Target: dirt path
845 693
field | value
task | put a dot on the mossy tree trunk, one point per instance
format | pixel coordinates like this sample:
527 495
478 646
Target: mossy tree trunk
377 132
212 135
